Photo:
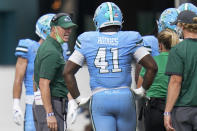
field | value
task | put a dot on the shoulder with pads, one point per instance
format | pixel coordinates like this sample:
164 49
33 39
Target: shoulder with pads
133 37
137 41
151 42
85 38
23 47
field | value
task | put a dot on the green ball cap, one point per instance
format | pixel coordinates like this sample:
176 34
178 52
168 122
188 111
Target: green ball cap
64 21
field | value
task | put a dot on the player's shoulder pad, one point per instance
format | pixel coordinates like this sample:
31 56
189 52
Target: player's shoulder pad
85 37
23 47
133 36
25 42
151 42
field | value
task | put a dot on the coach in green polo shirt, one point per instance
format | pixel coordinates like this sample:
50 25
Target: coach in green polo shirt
181 107
48 70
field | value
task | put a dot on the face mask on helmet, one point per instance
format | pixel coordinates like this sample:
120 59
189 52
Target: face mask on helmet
166 18
187 6
43 25
107 14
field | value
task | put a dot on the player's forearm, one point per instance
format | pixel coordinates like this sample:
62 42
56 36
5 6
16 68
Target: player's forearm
72 85
17 89
69 77
46 96
173 93
151 69
21 66
149 77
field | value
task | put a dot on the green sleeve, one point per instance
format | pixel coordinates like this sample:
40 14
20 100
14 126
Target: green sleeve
49 65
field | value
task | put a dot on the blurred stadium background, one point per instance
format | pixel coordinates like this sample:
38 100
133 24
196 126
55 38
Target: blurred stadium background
17 21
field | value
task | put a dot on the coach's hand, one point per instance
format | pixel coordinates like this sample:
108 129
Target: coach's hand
168 123
52 123
17 112
139 92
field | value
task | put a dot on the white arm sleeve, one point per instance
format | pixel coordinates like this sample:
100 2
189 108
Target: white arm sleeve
140 53
77 58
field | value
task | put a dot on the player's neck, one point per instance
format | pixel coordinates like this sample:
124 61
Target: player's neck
110 29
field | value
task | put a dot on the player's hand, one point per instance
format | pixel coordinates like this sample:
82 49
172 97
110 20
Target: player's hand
139 92
82 100
168 124
17 112
52 123
72 112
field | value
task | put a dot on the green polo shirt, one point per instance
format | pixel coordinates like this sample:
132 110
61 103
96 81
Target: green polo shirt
183 61
49 64
160 83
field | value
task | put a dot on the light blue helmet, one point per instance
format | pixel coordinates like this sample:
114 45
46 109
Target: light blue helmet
107 14
168 16
187 6
43 25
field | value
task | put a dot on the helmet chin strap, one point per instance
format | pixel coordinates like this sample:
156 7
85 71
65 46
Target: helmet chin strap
58 38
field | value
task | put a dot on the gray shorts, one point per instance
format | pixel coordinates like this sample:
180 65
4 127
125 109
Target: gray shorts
40 116
184 118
